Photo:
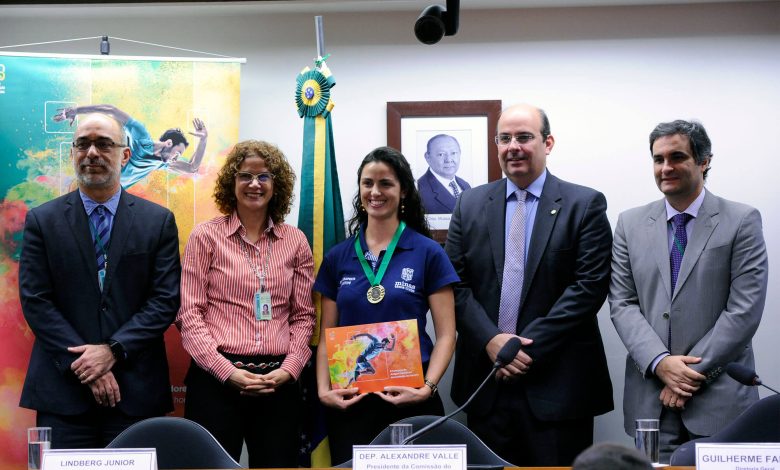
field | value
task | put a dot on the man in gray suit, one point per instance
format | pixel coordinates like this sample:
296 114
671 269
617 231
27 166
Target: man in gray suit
689 279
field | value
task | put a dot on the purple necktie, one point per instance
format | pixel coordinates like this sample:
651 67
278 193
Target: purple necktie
514 269
678 244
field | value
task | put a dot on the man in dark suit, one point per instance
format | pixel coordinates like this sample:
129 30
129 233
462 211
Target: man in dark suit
533 255
99 285
439 187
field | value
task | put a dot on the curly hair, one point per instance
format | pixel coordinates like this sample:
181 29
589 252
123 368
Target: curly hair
413 213
274 159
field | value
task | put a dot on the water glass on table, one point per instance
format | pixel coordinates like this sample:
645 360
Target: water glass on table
647 438
399 432
38 440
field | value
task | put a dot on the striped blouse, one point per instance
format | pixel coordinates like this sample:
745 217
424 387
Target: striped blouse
218 287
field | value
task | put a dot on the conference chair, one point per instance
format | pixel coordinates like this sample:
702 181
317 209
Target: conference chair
759 423
180 443
478 454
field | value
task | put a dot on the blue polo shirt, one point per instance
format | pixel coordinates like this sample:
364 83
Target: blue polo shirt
142 159
419 267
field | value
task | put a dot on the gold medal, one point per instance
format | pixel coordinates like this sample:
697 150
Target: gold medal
375 294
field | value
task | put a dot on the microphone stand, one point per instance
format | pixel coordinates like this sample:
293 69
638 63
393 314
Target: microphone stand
438 422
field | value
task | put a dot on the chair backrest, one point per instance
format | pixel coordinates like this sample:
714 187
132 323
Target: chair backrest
180 443
478 454
759 423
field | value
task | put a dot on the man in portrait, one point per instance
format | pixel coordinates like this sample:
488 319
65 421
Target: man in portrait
439 187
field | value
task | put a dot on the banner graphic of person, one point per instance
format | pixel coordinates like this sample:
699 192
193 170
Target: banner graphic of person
147 155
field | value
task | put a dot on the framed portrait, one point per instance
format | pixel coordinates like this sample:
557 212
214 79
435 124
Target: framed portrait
449 145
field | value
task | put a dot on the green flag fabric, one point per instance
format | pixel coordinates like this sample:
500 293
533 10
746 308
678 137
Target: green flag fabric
321 218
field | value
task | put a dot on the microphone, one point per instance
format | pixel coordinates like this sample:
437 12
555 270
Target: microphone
504 357
745 376
507 353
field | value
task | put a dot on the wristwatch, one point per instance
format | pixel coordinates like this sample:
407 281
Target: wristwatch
434 388
117 350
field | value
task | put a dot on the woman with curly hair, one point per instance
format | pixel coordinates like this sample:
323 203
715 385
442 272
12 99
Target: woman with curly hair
389 235
246 313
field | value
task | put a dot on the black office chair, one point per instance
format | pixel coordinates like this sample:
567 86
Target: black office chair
759 423
478 454
180 443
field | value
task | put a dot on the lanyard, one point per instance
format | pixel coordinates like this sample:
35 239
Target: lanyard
376 280
260 276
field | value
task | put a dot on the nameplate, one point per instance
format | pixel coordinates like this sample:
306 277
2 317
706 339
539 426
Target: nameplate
103 459
410 457
714 456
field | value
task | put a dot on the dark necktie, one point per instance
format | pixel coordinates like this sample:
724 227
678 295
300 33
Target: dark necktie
101 235
679 242
678 245
455 190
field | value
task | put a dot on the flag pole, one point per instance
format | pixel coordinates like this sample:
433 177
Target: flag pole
320 39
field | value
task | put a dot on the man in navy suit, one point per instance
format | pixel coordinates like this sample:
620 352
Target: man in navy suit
439 187
99 285
533 255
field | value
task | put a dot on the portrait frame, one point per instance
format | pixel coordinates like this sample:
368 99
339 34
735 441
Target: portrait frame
485 156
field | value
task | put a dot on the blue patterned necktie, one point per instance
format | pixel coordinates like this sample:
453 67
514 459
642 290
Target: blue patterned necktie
455 190
101 235
678 245
514 269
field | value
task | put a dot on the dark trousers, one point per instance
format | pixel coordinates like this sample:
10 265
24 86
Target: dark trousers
363 421
94 429
514 433
673 433
269 424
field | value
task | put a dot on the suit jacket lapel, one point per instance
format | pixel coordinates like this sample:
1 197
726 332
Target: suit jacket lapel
82 235
657 238
494 213
546 214
706 221
123 221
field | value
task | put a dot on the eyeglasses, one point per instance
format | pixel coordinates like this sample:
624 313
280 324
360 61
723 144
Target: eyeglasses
102 145
244 177
506 139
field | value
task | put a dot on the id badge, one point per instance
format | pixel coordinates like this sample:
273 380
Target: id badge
101 278
263 306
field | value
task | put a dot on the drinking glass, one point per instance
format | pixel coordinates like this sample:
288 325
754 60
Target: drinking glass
38 440
646 438
399 432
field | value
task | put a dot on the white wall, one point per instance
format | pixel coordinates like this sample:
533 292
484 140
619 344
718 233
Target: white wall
605 75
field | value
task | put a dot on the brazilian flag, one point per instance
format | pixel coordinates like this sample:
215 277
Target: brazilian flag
321 218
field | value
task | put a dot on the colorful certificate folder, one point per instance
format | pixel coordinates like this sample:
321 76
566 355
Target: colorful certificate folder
373 356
